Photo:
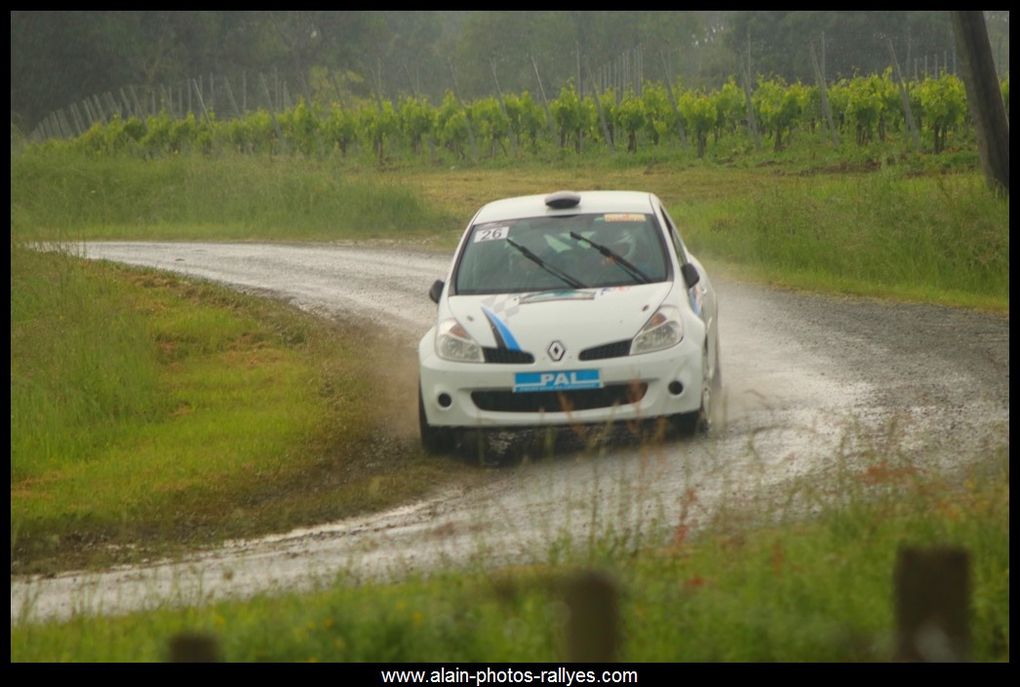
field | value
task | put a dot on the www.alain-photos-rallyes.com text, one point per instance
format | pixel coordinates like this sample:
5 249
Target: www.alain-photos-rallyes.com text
510 676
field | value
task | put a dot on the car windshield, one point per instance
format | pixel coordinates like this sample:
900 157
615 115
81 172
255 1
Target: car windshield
575 251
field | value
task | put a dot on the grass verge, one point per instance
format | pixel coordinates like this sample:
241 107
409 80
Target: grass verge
941 239
149 413
819 589
900 226
63 195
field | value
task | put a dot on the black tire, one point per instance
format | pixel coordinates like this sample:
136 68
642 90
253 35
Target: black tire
434 440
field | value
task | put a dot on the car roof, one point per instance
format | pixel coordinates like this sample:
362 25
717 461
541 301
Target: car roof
591 202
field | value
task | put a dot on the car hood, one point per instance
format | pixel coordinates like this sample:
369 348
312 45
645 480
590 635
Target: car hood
577 318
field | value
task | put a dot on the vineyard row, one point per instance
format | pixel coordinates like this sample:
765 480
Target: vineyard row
863 109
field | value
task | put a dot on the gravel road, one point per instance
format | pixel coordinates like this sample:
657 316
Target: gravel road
811 384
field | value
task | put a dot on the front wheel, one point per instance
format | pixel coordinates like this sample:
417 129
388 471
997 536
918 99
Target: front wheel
433 439
700 421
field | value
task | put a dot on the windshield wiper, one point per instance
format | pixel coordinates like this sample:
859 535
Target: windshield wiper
615 257
548 268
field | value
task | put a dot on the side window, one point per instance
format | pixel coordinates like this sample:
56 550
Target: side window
678 246
696 292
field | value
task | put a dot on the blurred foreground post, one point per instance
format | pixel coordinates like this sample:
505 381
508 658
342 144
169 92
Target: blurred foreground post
194 647
983 96
593 625
932 588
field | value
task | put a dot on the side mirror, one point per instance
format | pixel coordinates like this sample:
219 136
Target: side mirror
436 291
690 272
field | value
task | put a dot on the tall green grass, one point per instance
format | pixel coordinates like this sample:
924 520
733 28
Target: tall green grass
63 194
83 367
815 589
941 238
149 410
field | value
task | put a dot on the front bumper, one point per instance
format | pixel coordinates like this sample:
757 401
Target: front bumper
452 393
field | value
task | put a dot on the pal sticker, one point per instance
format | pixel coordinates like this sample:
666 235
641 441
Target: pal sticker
556 381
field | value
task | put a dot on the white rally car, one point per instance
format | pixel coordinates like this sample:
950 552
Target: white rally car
569 308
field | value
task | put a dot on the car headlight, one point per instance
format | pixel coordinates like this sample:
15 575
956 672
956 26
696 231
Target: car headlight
664 329
454 343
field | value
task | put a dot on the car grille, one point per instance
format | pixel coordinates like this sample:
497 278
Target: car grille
506 356
617 349
559 401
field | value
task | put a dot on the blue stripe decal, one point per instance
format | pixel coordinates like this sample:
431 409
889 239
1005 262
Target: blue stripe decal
508 338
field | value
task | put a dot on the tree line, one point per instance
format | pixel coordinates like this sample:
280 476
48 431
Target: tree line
58 58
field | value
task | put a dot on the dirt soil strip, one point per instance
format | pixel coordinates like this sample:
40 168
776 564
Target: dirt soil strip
811 384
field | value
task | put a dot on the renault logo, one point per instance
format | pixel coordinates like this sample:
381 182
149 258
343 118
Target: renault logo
556 350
